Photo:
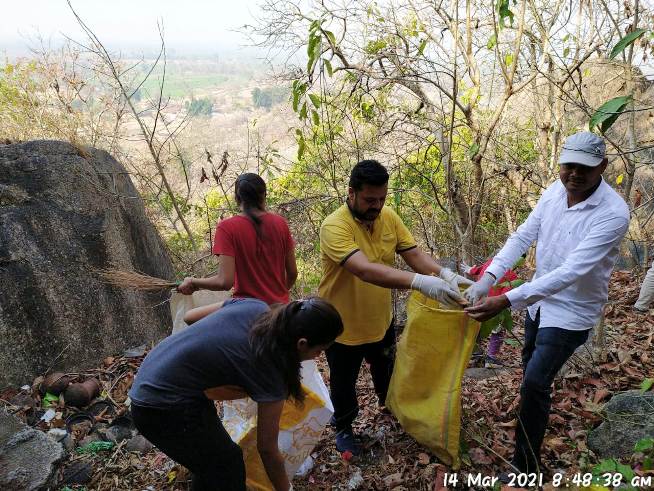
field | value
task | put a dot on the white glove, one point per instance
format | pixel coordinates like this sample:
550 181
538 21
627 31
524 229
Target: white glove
479 289
438 289
465 267
454 280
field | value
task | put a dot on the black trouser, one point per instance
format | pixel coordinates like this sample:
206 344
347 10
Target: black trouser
344 365
194 436
544 353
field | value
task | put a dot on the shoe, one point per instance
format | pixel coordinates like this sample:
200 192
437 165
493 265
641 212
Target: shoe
639 310
492 362
346 442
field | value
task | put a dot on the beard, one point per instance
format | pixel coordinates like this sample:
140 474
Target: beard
367 216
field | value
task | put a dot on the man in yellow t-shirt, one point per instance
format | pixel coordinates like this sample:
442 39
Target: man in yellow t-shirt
358 243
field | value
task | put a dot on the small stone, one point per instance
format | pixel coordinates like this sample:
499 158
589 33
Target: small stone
482 373
93 437
118 433
22 399
78 473
138 444
135 352
68 443
57 434
62 436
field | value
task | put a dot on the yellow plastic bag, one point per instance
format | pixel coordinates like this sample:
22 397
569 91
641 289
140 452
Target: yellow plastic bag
300 428
425 389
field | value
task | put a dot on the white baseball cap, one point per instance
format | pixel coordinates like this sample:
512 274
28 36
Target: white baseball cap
584 148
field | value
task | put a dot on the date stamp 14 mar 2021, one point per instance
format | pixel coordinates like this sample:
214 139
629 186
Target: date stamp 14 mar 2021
558 480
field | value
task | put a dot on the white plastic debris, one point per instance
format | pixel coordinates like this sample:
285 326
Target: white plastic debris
356 479
306 467
49 415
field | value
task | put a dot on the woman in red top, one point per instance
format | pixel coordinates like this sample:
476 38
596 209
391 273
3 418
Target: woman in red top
257 252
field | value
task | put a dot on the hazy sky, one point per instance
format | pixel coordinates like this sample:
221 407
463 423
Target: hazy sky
189 25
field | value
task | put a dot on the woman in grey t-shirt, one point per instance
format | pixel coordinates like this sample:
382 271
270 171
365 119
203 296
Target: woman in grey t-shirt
245 348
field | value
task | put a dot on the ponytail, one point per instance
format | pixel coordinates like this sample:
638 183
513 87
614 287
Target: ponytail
275 334
250 193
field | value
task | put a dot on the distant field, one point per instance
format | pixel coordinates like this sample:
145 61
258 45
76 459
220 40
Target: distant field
179 85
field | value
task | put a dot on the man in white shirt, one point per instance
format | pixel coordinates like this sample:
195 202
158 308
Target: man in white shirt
578 224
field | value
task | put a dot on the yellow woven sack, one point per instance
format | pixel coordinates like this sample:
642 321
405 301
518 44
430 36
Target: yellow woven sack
425 389
300 428
291 419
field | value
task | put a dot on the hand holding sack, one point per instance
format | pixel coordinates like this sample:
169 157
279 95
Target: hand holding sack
455 280
437 289
187 287
479 289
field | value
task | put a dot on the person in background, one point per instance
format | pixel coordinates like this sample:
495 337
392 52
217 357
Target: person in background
578 224
244 349
646 296
358 243
257 252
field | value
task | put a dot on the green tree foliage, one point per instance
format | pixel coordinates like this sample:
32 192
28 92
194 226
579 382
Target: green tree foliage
269 96
199 107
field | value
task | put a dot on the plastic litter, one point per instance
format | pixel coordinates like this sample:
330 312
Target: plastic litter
49 399
306 467
49 415
95 447
356 479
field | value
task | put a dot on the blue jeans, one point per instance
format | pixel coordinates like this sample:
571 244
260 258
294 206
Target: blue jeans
544 353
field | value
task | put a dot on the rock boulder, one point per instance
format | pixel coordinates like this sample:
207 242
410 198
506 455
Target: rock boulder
28 457
629 417
64 213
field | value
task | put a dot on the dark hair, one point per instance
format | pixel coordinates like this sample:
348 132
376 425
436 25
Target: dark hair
368 172
250 192
275 334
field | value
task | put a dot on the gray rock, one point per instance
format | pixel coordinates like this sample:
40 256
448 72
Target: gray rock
482 373
138 444
118 433
629 417
135 352
77 473
22 399
57 434
62 216
28 457
95 436
62 436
